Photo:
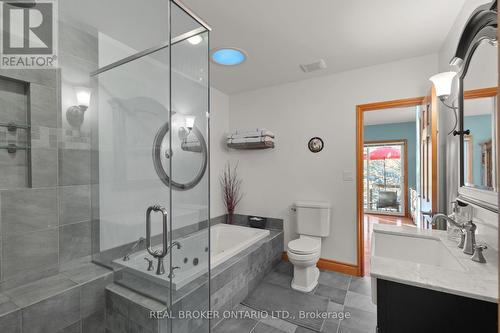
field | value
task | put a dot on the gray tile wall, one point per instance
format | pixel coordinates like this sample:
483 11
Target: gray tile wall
48 223
45 220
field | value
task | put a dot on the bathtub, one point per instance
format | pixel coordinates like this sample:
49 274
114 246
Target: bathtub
192 258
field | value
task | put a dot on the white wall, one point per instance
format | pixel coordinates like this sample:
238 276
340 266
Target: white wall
324 107
219 127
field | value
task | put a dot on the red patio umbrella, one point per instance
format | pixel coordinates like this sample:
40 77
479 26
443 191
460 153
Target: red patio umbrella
385 153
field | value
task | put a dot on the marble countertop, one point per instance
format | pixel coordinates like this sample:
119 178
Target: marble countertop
479 281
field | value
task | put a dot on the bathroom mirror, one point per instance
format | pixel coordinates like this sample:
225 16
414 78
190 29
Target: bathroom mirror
477 113
188 146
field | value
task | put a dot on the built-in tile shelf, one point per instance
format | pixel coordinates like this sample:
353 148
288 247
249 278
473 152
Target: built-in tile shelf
72 299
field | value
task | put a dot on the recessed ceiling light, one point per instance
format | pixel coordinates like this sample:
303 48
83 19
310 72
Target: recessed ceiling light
228 56
195 40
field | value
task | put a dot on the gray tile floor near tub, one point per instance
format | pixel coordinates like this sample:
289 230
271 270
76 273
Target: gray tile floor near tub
338 292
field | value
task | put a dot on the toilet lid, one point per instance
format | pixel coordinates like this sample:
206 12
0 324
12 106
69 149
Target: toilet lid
304 245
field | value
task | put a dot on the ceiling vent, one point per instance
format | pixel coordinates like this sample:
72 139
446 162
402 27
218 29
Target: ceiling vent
314 66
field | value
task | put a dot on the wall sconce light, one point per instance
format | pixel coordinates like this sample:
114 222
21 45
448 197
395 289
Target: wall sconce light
76 113
185 130
443 82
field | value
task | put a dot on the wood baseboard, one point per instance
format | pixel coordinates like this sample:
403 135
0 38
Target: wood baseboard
332 265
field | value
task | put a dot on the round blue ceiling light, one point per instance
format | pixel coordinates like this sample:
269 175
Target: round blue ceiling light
228 56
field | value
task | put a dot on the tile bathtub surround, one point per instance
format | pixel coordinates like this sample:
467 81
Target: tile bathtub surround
230 283
272 223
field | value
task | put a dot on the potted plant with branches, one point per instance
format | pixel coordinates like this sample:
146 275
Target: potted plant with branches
231 190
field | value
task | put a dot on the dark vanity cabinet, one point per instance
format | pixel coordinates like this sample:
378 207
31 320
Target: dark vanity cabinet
404 308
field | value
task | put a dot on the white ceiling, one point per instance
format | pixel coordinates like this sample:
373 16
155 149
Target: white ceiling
390 116
281 34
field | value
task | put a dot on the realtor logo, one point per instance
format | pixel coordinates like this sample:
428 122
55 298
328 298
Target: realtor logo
29 37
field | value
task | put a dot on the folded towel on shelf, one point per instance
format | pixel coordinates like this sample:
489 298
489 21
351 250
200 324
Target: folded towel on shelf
250 134
251 140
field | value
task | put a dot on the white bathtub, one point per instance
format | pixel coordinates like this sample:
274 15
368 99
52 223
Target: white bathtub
225 242
228 240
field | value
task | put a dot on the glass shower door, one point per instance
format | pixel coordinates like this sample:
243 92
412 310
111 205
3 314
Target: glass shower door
189 170
152 134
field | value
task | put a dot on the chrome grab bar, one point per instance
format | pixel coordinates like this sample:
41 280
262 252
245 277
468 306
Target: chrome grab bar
157 253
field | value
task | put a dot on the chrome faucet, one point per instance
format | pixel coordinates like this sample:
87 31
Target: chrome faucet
126 257
176 244
468 240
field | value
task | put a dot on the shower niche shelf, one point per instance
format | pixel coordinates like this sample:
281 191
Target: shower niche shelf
15 134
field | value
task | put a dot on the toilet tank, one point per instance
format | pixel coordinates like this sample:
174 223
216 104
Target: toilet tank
313 218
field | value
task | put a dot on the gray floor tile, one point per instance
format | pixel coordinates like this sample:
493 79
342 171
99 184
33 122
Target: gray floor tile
272 297
343 329
360 320
359 301
301 329
330 327
280 279
75 328
281 325
334 279
334 294
263 328
361 285
337 312
235 325
284 267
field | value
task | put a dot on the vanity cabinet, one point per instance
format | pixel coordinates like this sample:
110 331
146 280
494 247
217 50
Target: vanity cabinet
408 309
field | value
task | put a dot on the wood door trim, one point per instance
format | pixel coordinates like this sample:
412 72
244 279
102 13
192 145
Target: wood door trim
360 110
405 171
481 93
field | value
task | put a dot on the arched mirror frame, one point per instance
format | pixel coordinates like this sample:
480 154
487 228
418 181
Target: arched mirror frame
480 28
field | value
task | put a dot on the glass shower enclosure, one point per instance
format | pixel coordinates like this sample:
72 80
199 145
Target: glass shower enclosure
150 139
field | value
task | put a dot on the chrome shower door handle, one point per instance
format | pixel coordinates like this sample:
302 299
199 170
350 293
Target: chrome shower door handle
163 211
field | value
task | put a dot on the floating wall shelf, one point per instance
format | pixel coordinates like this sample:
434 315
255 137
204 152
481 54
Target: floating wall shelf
251 145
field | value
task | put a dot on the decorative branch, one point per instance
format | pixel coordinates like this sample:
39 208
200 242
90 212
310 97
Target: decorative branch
231 186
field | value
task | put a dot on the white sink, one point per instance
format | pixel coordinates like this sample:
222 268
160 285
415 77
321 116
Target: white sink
420 250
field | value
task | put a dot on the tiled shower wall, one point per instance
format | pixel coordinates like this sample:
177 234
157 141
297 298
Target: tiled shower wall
48 224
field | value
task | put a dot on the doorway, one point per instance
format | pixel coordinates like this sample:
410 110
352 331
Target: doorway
387 149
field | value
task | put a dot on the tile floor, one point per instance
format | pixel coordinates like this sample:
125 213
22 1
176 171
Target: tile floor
338 291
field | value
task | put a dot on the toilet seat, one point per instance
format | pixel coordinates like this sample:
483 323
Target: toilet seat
305 246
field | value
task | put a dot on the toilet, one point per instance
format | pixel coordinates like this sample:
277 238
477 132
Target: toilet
313 223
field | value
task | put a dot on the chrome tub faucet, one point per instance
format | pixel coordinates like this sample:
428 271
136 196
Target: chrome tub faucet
126 257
